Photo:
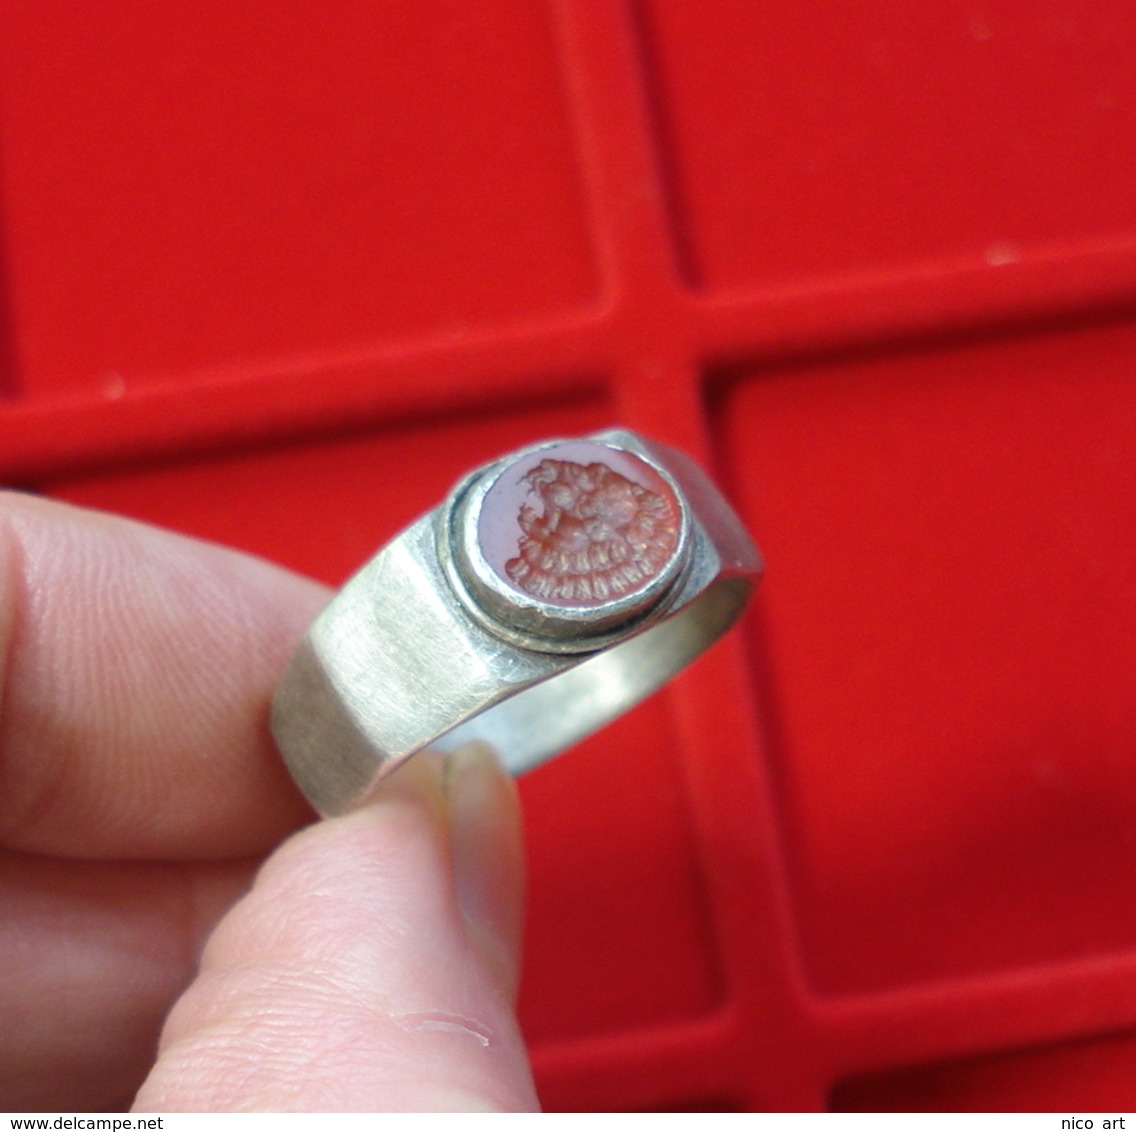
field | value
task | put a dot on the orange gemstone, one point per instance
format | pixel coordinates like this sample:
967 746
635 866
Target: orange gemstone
579 524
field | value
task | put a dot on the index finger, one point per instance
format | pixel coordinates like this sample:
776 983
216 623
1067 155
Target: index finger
136 667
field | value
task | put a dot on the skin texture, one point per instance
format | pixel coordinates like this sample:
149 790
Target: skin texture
152 882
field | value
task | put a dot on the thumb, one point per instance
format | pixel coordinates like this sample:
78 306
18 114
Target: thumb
373 966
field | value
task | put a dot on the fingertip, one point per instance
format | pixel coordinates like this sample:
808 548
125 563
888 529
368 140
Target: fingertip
347 978
488 858
137 664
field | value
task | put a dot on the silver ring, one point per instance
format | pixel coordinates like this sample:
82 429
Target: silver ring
555 588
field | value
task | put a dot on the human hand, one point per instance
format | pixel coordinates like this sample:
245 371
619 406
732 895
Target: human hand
373 962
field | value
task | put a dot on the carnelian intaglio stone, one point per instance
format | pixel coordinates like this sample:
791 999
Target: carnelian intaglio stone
579 524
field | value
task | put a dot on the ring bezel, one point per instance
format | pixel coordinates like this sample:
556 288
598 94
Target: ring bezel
523 619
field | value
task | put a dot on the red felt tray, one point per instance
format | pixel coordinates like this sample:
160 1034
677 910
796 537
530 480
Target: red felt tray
276 273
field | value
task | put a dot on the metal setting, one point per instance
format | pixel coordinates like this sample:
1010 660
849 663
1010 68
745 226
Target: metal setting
627 564
542 624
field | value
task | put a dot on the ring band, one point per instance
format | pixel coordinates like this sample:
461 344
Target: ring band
554 589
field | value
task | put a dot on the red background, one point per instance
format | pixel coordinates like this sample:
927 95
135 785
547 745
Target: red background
277 273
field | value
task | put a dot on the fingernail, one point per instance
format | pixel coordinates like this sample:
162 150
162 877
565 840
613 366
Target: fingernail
485 830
